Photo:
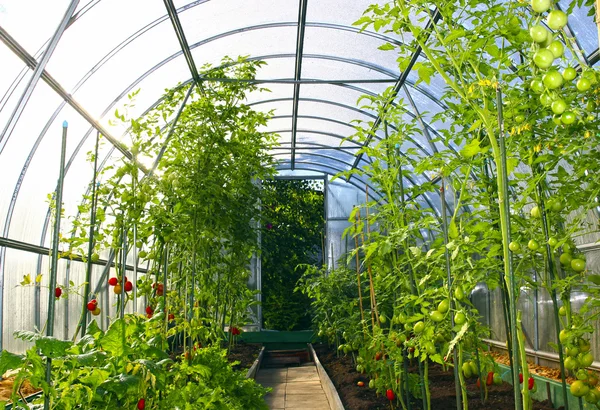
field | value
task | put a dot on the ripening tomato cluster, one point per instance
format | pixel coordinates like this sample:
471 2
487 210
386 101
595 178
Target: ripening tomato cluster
116 283
235 331
548 47
92 306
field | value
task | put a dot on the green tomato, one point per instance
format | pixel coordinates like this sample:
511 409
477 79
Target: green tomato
559 106
584 345
579 389
430 348
540 6
569 74
578 265
552 241
460 318
436 316
444 306
553 79
466 368
402 318
590 76
497 379
571 363
474 368
533 245
535 212
382 319
583 84
586 360
459 293
556 19
568 117
546 100
519 119
556 119
514 246
557 48
565 259
543 58
538 33
562 311
557 205
537 86
372 383
419 327
592 397
581 374
572 351
564 336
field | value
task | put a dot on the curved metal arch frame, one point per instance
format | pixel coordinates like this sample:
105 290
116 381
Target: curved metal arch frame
172 57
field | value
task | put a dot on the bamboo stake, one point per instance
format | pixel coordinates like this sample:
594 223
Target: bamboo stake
360 300
598 19
372 288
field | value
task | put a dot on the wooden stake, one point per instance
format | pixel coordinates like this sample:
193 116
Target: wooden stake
360 301
373 299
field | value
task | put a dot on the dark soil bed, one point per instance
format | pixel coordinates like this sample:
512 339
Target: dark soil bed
345 378
244 353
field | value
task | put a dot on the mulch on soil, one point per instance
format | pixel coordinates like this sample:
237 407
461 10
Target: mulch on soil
343 373
245 353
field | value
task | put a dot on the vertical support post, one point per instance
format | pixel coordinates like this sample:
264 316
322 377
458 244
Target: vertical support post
88 273
37 74
326 213
123 270
54 259
457 385
512 294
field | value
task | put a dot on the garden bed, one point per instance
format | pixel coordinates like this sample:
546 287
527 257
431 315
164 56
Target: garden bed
343 373
6 386
245 353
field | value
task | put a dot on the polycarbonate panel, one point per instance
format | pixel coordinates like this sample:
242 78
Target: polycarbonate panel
335 93
349 45
127 66
94 34
344 114
255 43
41 105
278 107
12 69
200 22
18 17
342 198
18 307
275 91
326 67
307 156
326 125
31 206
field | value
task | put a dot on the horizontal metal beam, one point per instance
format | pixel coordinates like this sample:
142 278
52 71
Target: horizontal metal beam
55 85
301 81
42 250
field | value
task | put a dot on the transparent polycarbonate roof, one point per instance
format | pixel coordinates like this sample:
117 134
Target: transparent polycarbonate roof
98 51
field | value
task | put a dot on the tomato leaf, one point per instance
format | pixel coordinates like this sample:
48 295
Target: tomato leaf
9 361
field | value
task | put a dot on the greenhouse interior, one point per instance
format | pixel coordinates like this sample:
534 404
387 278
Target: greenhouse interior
277 204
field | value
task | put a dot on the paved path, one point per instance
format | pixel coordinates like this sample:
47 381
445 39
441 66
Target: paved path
294 388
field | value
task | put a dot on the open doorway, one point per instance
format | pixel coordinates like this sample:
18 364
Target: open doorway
293 222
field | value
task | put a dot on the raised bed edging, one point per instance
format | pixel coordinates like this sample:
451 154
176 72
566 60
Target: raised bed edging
335 403
256 365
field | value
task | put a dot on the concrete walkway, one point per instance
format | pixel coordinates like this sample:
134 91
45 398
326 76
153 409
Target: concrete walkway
294 388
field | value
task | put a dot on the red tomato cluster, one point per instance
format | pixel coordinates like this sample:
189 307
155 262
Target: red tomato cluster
160 288
149 311
116 283
235 331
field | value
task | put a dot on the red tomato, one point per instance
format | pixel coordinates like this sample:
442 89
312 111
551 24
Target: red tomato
128 286
520 377
92 305
360 384
57 292
171 316
490 379
530 383
141 405
113 281
390 394
149 310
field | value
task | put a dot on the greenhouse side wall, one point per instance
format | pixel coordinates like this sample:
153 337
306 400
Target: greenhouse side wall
538 313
